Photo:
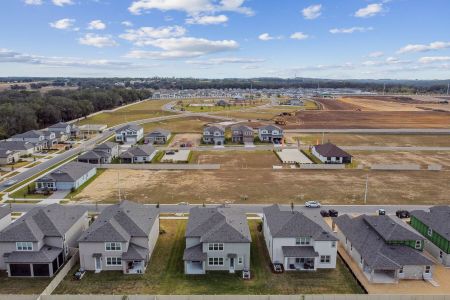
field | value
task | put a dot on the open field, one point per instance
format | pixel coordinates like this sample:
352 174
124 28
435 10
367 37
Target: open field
182 138
424 158
336 104
143 110
165 275
17 286
379 105
216 108
237 159
181 125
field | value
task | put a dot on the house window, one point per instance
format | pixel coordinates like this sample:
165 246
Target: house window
427 269
215 261
418 244
113 246
24 246
430 232
346 241
441 254
240 260
333 244
325 259
215 246
302 241
400 271
113 261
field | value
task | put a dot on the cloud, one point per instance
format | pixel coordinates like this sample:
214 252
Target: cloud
185 47
33 2
433 59
96 40
146 35
369 11
225 60
423 47
299 36
312 12
387 62
63 24
62 2
350 30
127 24
207 20
267 37
191 7
376 54
96 25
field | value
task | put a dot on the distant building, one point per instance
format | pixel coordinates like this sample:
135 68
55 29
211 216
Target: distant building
101 154
8 156
22 147
62 131
329 153
91 129
39 138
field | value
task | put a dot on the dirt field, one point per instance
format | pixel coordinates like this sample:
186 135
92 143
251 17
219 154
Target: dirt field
181 138
181 125
337 104
422 158
237 159
378 105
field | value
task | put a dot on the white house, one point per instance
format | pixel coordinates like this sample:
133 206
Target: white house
329 153
70 176
130 134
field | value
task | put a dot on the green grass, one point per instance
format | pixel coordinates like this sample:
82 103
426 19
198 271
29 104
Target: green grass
165 275
22 201
18 286
84 185
157 158
33 164
23 193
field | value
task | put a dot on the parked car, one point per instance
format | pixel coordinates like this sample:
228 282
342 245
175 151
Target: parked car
278 268
10 182
333 213
324 213
80 274
312 204
402 214
381 212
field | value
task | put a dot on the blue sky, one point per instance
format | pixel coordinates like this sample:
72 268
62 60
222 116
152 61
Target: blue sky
399 39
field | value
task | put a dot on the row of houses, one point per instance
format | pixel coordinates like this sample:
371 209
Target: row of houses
242 134
123 237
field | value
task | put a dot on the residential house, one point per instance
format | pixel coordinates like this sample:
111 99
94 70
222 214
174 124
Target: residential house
384 248
297 241
89 129
74 131
122 238
41 139
8 156
38 243
329 153
217 239
129 134
101 154
138 154
23 148
222 103
214 135
435 227
158 136
5 217
271 134
242 134
62 131
67 177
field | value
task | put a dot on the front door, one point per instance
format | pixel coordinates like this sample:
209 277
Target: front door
232 265
98 264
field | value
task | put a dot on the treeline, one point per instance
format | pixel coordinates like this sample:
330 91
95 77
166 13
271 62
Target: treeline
21 111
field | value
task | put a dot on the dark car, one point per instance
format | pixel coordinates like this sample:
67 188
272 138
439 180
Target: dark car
381 212
333 213
278 268
324 213
402 214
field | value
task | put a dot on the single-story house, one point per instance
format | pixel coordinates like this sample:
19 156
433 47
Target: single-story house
129 134
384 248
138 154
298 241
435 227
122 238
8 156
40 138
158 136
101 154
271 134
217 239
67 177
214 135
91 129
23 148
38 243
242 134
62 131
331 154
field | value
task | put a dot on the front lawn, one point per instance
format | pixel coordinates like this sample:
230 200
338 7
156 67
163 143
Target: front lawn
165 275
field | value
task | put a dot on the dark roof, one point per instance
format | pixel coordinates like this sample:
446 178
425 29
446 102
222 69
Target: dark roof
46 254
159 132
331 150
53 220
106 145
285 223
135 252
299 251
194 253
141 150
69 172
130 127
59 125
214 128
375 251
4 211
4 153
16 145
218 224
270 128
437 219
29 134
92 155
241 128
390 229
120 222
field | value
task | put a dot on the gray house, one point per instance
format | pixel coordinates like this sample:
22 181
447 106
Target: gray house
23 148
41 139
8 156
384 248
38 243
129 134
69 176
271 134
214 135
242 134
138 154
217 239
122 238
5 217
101 154
61 129
297 241
158 136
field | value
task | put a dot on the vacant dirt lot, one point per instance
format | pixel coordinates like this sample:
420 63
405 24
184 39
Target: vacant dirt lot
183 138
237 159
337 104
379 105
422 158
185 125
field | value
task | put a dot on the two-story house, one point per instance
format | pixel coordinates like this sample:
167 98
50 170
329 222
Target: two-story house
435 226
384 248
36 137
122 238
242 134
21 147
271 134
217 239
39 242
158 136
214 135
130 134
297 241
62 131
101 154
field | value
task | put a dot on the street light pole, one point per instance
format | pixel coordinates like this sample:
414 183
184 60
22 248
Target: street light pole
366 189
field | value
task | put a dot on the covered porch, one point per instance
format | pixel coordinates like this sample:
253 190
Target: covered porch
135 260
43 263
194 260
299 258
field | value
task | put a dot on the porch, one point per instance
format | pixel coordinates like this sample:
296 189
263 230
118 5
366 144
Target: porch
194 260
299 258
134 267
194 267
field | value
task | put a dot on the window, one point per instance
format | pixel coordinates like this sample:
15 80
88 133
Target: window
113 261
302 241
346 240
24 246
430 232
325 259
215 261
215 246
333 244
400 271
240 260
113 246
427 269
418 244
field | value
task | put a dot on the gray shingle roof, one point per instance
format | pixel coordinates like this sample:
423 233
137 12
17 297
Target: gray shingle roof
331 150
106 145
91 155
218 224
29 134
285 223
59 125
129 127
5 153
375 251
45 255
141 150
53 220
135 252
194 253
390 229
120 222
4 211
16 145
299 251
270 128
437 219
241 128
214 128
69 172
159 132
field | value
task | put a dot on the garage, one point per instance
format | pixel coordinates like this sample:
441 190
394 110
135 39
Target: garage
20 270
41 270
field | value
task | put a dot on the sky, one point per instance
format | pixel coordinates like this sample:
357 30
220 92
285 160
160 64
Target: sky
338 39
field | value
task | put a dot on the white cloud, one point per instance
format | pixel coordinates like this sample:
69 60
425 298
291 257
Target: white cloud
96 25
185 47
226 60
433 59
423 47
312 12
96 40
127 24
62 2
146 35
33 2
350 30
63 24
299 36
376 54
369 11
207 20
267 37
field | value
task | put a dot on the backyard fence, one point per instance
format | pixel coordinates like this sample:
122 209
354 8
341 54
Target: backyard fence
405 167
162 166
322 166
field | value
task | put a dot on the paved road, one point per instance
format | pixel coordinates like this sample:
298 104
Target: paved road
381 131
